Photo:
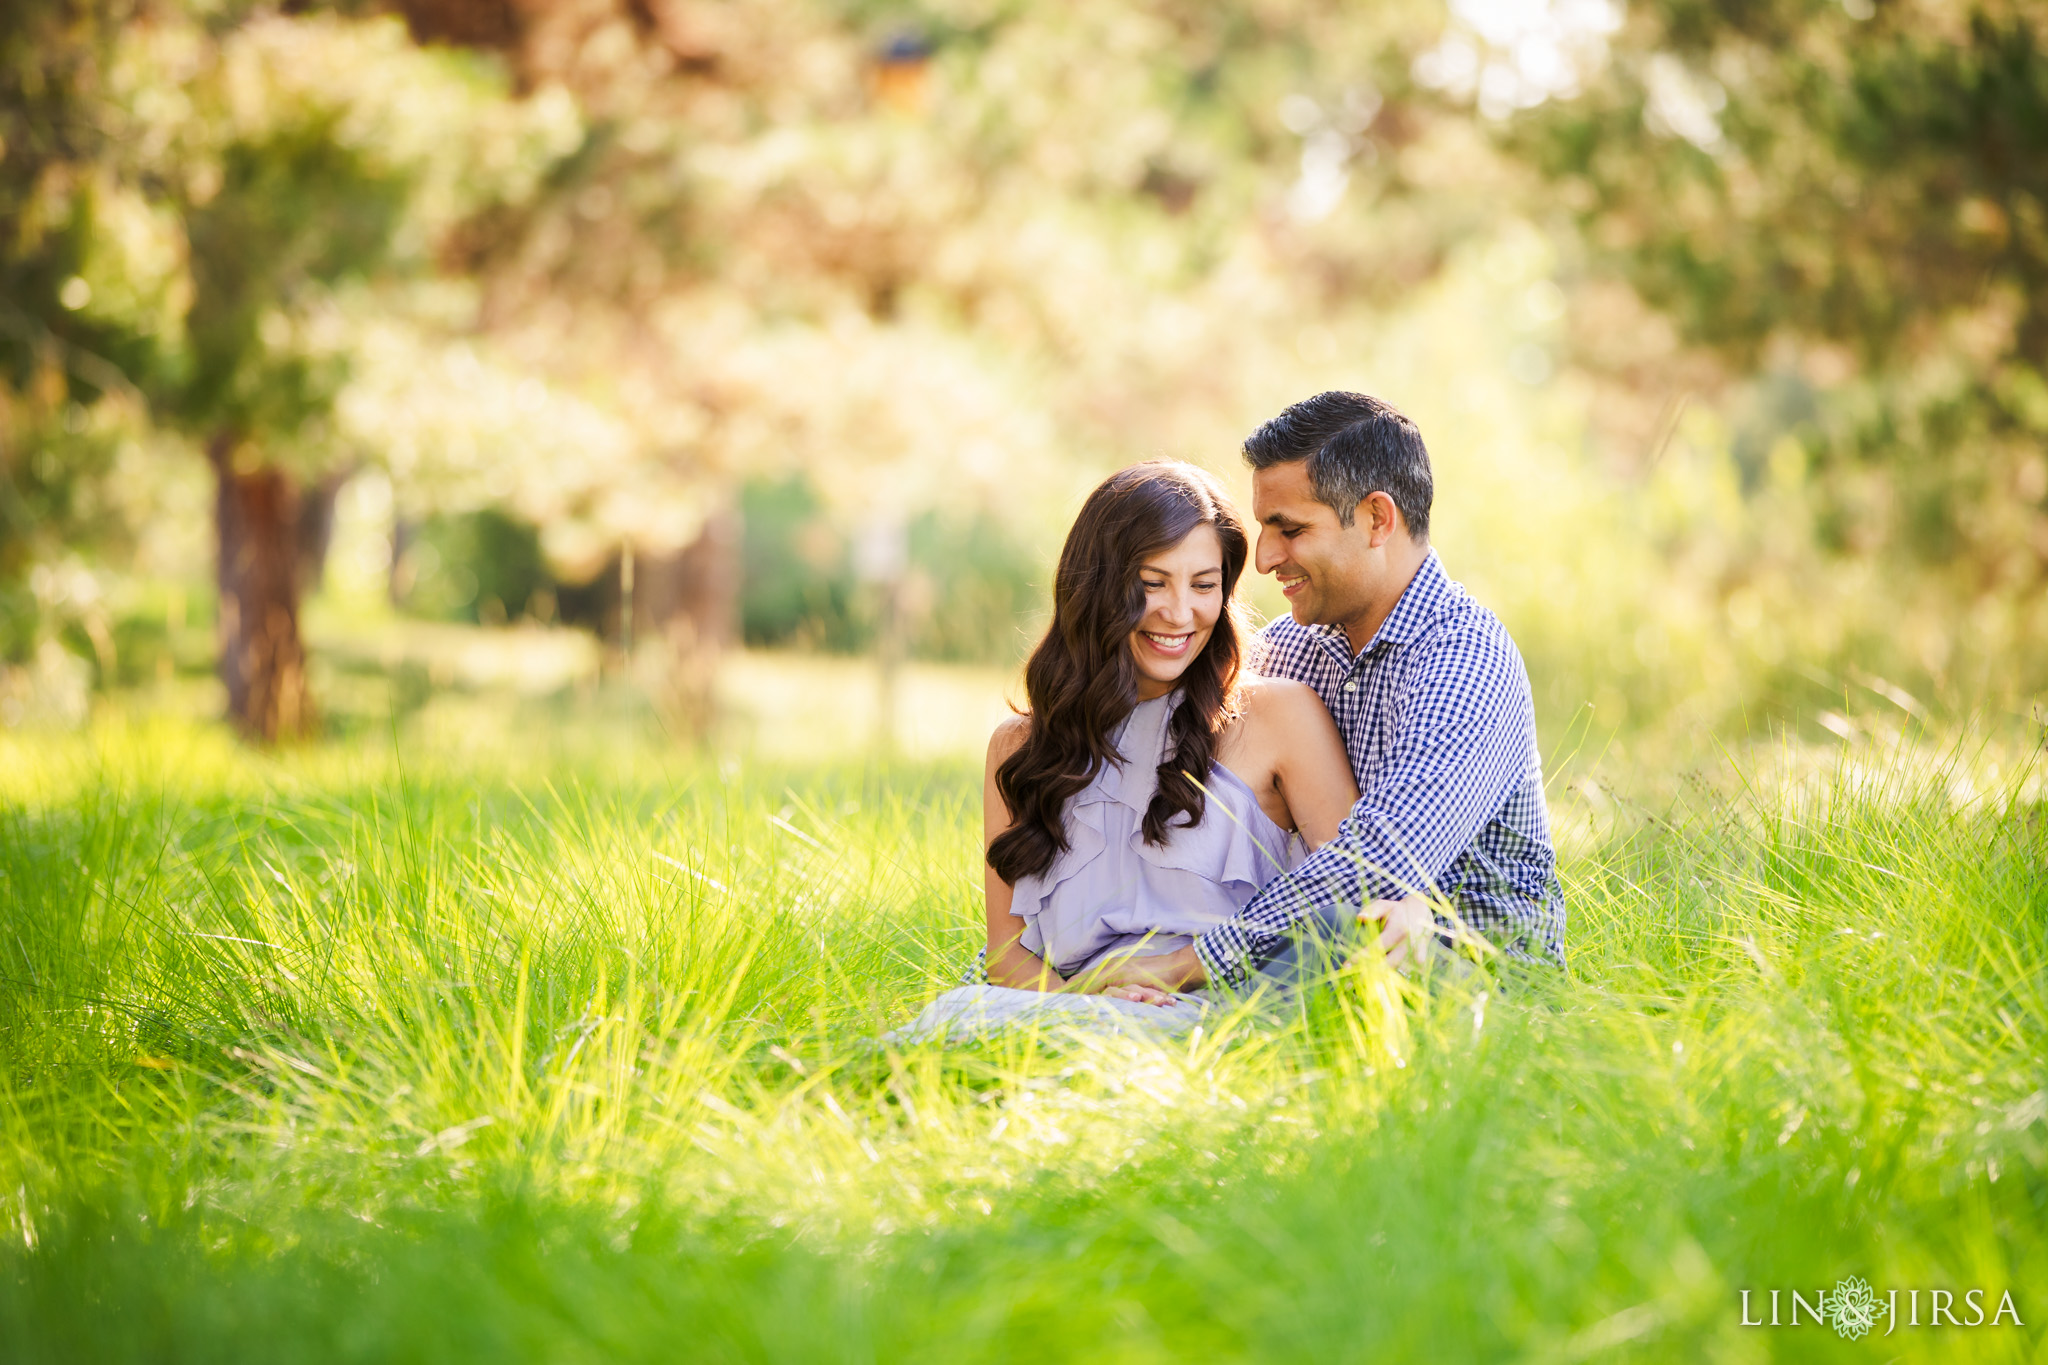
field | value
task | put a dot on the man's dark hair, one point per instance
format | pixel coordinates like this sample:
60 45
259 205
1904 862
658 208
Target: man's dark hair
1355 446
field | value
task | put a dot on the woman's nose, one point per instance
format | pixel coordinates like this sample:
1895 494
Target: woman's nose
1178 609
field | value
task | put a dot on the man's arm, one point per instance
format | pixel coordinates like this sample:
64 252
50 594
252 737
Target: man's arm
1461 746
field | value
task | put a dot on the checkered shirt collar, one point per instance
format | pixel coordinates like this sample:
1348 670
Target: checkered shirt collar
1420 602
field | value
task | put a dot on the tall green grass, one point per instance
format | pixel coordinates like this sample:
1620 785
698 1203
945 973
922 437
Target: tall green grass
358 1054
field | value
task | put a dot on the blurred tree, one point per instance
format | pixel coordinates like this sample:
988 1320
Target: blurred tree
227 220
56 360
294 211
943 256
1852 199
942 262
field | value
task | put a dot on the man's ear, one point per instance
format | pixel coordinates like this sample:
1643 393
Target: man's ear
1380 517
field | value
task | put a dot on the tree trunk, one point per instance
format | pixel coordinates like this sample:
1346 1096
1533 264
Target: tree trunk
262 660
316 527
404 531
882 559
690 601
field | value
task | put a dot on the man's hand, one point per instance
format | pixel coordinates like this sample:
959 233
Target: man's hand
1160 974
1410 926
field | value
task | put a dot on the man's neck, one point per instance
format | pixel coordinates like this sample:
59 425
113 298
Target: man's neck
1403 566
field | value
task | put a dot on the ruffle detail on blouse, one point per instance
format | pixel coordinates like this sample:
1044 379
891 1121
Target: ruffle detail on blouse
1254 851
1115 887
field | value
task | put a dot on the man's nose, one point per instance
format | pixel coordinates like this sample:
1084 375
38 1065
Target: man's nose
1270 556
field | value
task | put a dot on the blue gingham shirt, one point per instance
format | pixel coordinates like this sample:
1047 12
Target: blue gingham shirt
1437 719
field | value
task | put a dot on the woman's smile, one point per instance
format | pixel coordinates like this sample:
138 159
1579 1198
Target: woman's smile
1173 646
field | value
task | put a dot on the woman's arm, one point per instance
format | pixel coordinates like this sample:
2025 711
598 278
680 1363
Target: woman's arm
1010 963
1309 765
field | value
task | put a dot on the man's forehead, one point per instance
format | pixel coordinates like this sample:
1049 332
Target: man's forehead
1282 492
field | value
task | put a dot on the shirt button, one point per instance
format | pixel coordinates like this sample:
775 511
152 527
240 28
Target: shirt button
1351 687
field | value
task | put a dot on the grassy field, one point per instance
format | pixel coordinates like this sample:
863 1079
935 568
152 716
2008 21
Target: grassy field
379 1052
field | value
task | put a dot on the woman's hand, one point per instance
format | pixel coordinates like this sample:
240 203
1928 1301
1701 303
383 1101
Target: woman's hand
1144 995
1159 973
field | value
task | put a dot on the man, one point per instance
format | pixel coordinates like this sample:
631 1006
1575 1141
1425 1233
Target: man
1431 697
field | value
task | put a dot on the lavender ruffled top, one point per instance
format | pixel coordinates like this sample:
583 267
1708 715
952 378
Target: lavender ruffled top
1111 890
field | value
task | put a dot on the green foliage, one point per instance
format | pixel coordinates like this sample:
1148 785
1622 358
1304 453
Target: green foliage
55 359
475 566
378 1054
985 596
972 587
53 55
1852 206
1859 179
796 576
295 212
52 467
206 212
599 272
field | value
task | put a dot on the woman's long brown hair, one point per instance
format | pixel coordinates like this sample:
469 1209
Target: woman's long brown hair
1082 680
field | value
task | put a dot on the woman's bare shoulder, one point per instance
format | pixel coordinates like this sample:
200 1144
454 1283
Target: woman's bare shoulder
1267 710
1275 699
1009 736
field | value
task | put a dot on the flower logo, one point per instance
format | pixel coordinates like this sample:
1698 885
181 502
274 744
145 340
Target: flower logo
1852 1308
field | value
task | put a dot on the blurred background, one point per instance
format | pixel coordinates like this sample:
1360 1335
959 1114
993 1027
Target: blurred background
732 370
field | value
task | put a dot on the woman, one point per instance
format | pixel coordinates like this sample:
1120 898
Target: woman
1151 789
